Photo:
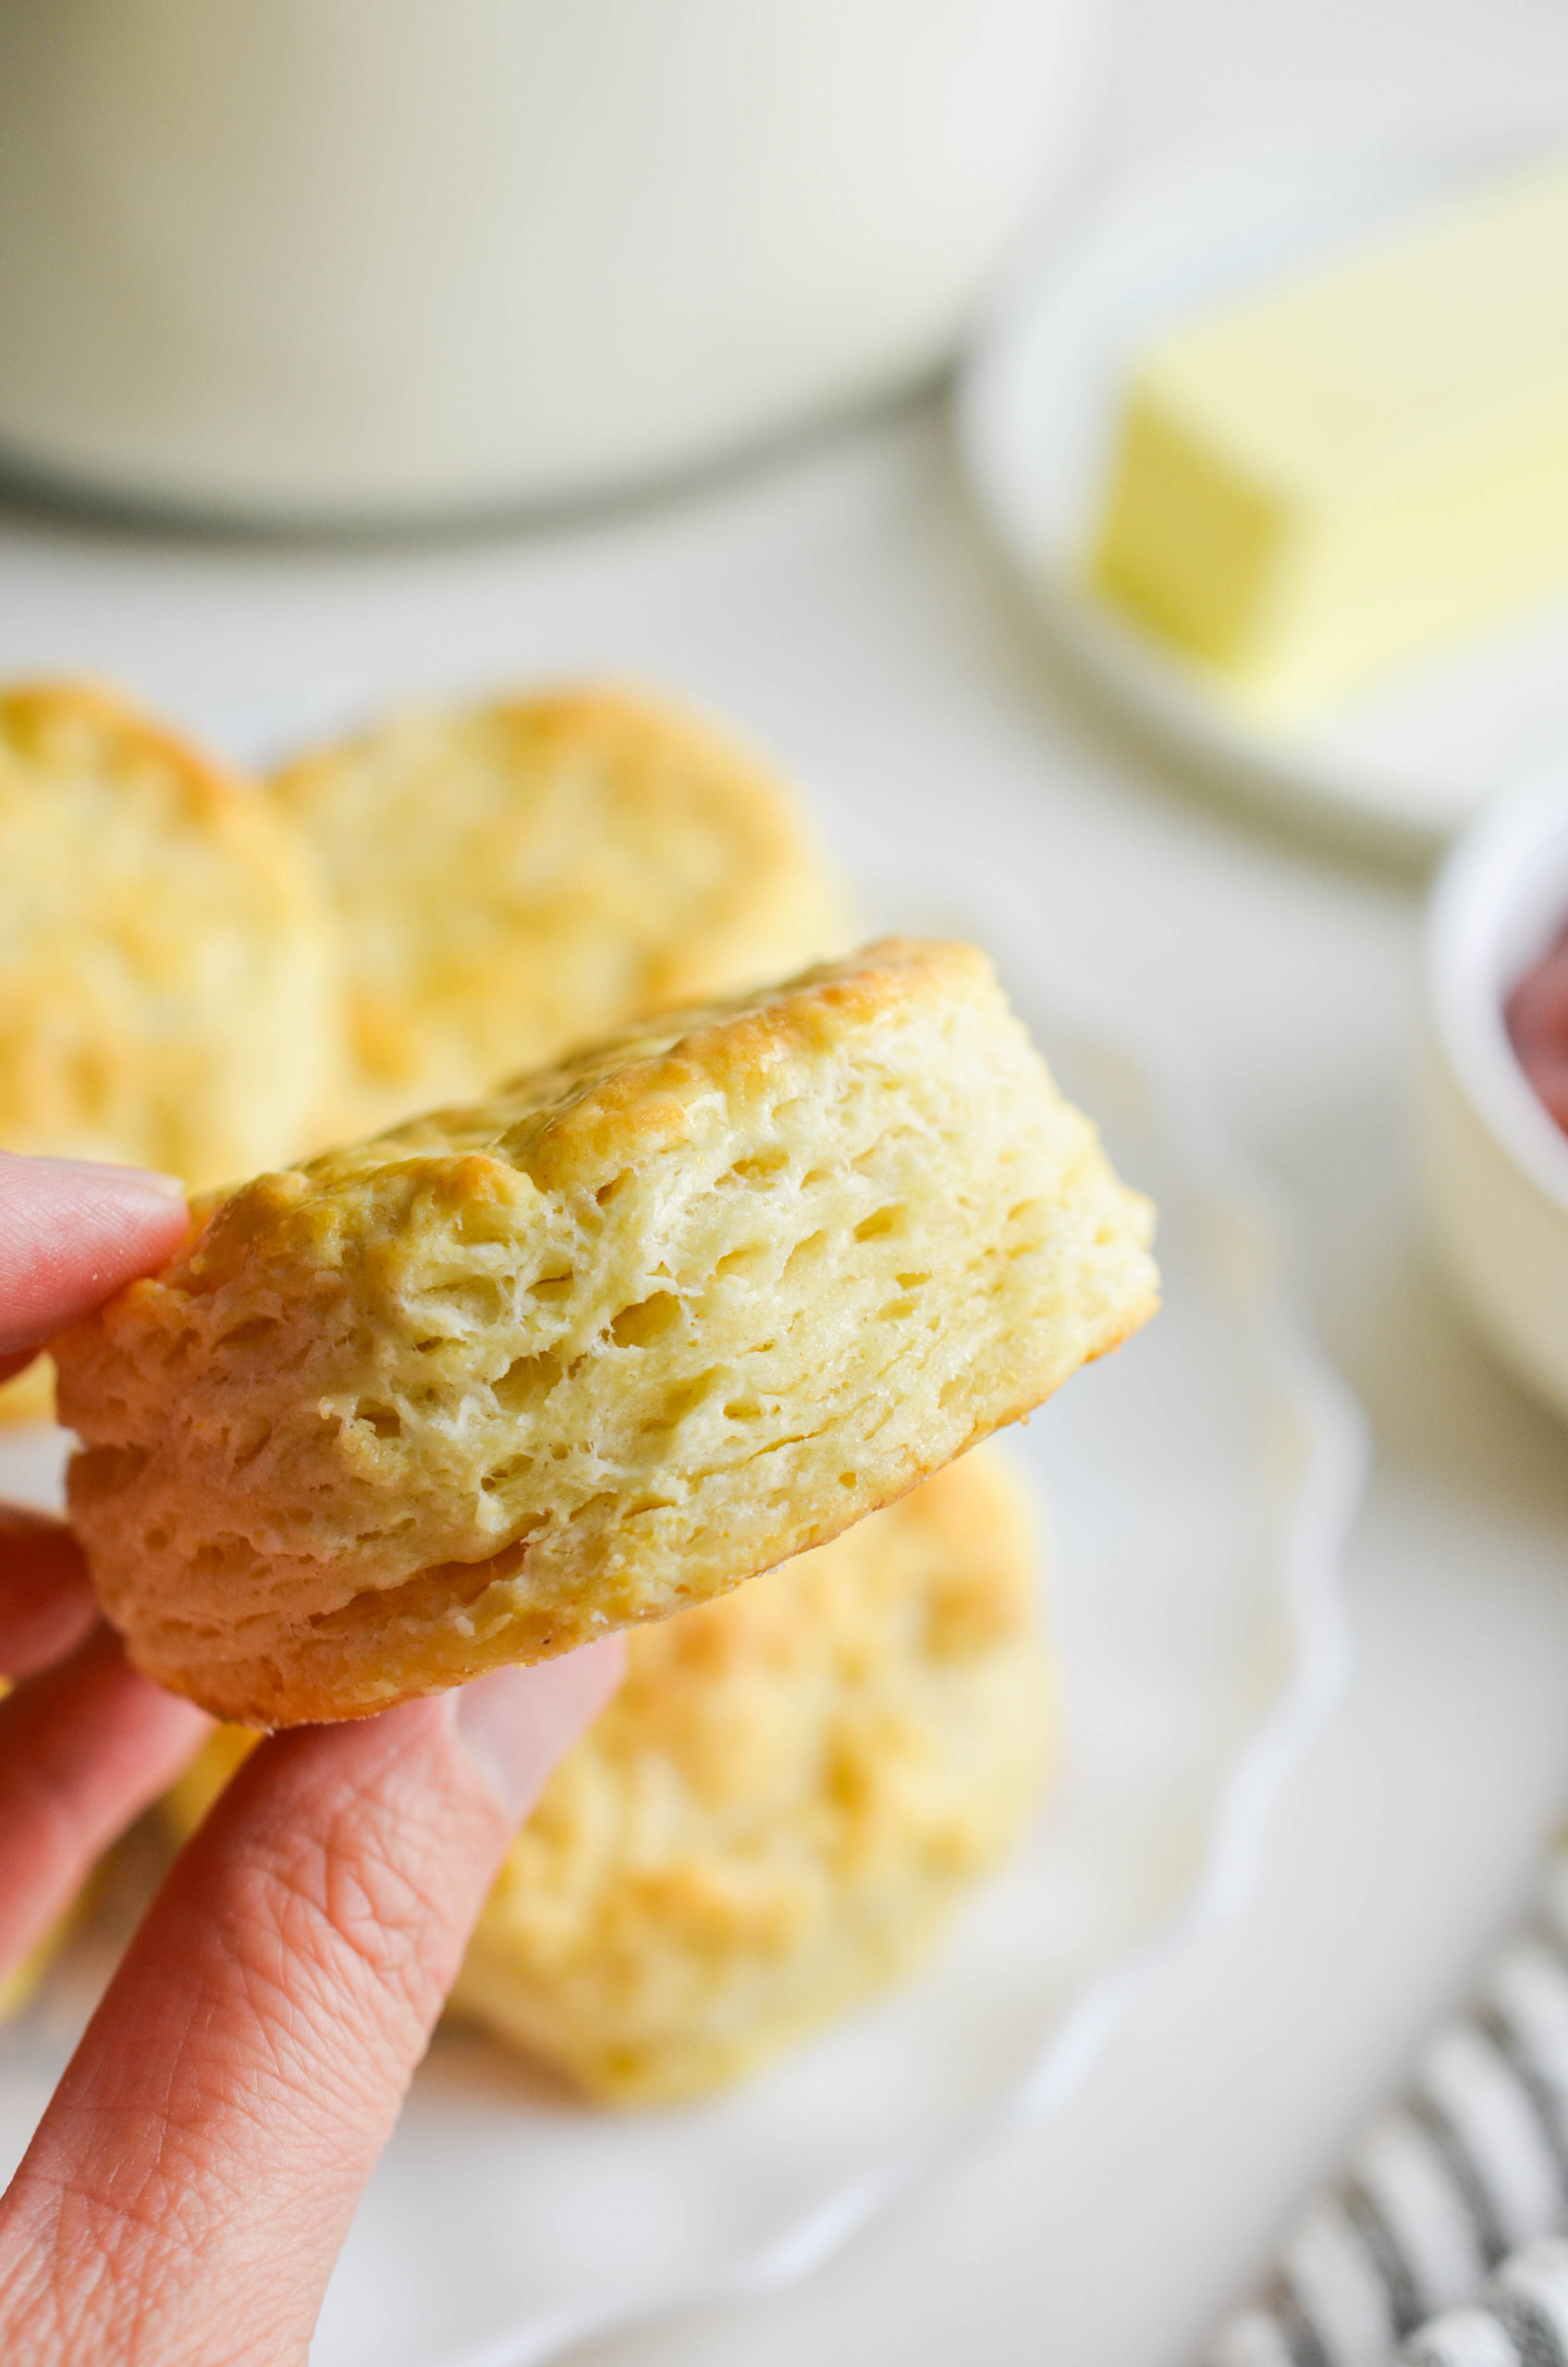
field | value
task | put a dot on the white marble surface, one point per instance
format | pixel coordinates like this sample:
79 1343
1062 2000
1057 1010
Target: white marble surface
841 603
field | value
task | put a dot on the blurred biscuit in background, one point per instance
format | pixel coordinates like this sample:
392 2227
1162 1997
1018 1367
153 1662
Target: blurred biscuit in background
166 971
779 1812
191 1795
21 1983
522 875
31 1396
168 986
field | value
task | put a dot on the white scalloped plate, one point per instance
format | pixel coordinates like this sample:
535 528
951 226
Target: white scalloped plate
1198 1485
1409 760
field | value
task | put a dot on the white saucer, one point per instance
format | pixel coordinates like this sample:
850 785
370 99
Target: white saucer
1197 1486
1404 765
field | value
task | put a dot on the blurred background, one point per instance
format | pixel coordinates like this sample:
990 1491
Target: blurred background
265 512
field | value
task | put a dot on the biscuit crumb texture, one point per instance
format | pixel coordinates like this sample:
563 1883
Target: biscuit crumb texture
778 1812
167 996
519 877
514 1376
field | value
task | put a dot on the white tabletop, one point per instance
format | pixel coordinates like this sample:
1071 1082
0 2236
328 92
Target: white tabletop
842 604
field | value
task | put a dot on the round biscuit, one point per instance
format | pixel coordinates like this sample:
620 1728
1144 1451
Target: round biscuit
522 875
780 1811
514 1376
167 992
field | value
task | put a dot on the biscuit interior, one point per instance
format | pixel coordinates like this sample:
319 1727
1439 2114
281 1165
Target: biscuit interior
517 878
511 1377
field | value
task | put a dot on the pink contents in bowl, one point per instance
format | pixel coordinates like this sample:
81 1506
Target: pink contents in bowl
1536 1016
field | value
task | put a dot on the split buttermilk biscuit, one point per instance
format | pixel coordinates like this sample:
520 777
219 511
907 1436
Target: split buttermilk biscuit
511 1377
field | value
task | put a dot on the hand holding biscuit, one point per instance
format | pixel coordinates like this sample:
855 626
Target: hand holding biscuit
258 2039
686 1330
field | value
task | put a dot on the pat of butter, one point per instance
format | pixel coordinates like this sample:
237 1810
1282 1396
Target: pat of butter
1343 473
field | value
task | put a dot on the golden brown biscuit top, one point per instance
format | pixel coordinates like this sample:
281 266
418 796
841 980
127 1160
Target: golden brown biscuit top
523 874
577 1127
163 946
82 768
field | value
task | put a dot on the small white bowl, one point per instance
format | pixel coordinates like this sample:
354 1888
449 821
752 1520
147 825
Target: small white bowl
1496 1164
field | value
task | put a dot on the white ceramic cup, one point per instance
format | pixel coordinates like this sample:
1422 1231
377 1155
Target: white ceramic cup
358 259
1496 1165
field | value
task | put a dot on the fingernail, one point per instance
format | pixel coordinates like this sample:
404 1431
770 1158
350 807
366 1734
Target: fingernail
517 1724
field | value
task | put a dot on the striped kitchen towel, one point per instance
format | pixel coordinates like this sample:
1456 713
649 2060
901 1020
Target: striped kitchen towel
1520 2321
1471 2166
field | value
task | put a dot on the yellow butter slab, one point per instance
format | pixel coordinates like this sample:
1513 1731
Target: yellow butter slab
1336 475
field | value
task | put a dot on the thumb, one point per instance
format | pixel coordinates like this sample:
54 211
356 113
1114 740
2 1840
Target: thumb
190 2184
71 1231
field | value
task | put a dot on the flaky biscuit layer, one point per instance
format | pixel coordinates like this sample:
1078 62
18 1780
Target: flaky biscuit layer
511 1377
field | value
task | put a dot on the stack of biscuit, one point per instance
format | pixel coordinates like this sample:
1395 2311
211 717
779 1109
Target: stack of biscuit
718 1298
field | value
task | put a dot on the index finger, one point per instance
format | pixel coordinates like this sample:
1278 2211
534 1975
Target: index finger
71 1231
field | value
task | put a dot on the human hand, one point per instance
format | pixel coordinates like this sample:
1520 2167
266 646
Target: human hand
193 2178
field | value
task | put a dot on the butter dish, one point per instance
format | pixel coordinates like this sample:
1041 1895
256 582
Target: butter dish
1399 764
